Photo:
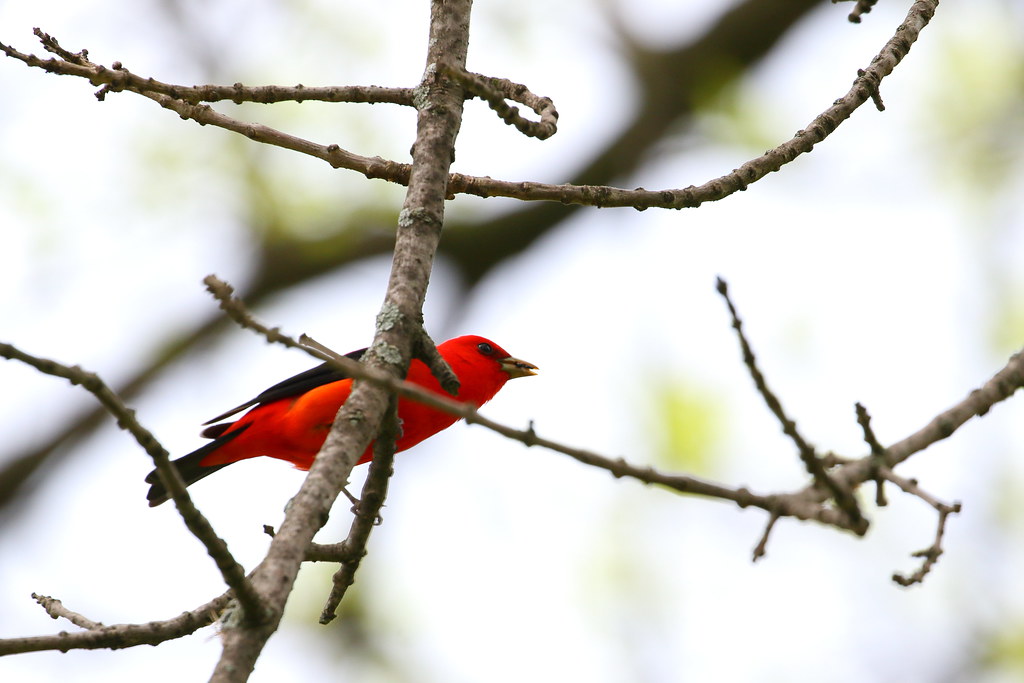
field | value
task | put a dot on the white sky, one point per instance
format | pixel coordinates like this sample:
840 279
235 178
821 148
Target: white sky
861 273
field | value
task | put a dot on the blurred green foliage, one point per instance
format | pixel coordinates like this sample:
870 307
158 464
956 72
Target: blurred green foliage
973 114
684 423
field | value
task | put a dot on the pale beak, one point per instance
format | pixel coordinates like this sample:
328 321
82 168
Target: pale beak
517 368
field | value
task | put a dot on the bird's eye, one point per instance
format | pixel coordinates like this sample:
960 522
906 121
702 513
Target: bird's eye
485 348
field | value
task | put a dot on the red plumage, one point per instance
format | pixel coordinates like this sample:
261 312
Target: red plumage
291 420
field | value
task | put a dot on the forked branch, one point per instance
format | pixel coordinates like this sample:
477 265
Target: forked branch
183 100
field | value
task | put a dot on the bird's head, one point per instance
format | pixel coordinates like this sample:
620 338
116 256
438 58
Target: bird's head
482 366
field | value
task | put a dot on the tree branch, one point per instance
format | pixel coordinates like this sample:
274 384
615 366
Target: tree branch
865 87
116 636
495 91
439 114
117 79
371 500
804 504
932 553
843 496
231 571
668 80
56 609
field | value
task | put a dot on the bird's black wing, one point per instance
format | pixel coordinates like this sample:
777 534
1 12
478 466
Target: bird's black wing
293 386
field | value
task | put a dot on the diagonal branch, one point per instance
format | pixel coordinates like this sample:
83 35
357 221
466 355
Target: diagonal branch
843 496
617 466
669 83
56 609
230 569
999 387
804 504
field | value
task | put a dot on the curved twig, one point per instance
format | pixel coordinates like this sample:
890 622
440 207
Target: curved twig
495 91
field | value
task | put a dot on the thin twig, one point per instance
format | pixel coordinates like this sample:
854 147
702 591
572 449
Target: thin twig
1001 386
118 78
803 504
495 91
864 420
237 311
762 546
862 7
877 452
932 553
371 499
823 125
332 552
120 636
324 552
56 609
426 351
618 467
231 571
977 403
843 496
873 87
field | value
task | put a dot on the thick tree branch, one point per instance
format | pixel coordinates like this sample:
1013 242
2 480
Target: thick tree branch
439 107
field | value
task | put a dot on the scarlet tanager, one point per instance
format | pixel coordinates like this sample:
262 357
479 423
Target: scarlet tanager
291 419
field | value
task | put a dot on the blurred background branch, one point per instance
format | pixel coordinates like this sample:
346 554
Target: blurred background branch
670 82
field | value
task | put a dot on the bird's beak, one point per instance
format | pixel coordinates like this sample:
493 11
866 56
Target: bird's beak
517 368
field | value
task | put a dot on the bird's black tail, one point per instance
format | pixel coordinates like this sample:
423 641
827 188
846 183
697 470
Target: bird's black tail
189 468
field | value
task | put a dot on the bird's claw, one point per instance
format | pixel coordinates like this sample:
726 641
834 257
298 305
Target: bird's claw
377 521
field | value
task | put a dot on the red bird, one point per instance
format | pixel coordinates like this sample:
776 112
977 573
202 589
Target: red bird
291 419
